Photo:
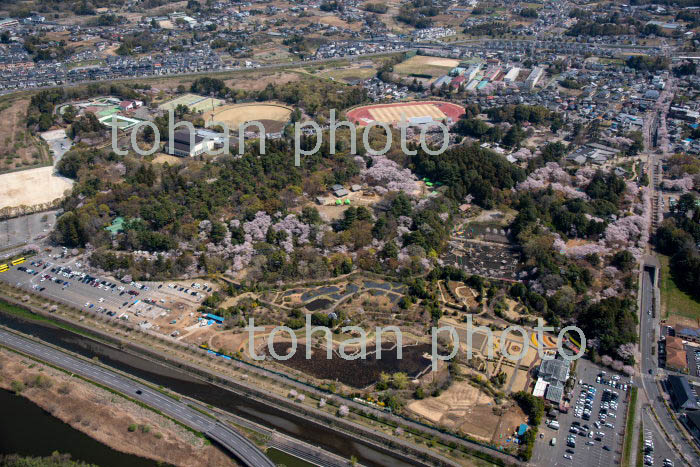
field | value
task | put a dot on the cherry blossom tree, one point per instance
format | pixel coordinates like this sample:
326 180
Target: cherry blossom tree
388 174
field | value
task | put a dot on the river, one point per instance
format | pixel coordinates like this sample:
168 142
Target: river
26 429
180 382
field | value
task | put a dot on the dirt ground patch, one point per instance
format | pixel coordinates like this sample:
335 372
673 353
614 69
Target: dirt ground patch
106 417
425 65
32 187
230 341
163 158
258 82
461 407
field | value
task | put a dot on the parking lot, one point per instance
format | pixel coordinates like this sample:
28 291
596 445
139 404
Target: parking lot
595 444
148 304
19 231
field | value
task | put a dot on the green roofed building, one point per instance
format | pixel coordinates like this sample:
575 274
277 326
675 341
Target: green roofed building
116 227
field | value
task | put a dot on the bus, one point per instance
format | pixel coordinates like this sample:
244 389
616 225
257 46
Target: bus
18 261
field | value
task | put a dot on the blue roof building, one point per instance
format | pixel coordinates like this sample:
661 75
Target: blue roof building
522 429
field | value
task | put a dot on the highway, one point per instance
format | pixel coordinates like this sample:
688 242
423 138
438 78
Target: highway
239 446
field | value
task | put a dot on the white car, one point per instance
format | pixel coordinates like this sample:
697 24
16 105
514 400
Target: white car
566 456
101 300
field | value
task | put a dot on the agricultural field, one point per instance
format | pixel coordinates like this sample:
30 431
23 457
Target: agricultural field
18 148
425 65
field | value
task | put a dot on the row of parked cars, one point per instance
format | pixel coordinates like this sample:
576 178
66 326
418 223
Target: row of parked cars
613 382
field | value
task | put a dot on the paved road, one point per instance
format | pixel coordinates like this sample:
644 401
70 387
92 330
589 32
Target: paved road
237 444
649 325
661 448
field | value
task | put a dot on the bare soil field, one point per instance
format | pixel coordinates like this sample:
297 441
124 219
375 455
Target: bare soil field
234 115
18 148
464 407
32 187
333 20
258 82
162 158
106 417
425 65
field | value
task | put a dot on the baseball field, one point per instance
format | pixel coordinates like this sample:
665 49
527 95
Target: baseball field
272 116
392 113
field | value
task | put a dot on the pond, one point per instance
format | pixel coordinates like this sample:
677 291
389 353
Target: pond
356 373
319 304
26 429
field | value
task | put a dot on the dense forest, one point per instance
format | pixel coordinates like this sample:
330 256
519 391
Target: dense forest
470 170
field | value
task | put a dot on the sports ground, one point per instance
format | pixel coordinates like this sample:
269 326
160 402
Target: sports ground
194 102
272 116
392 113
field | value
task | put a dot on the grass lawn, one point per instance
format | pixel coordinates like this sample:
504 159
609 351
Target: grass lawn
673 300
631 412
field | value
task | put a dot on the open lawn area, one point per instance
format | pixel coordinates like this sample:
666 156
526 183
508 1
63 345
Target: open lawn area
673 300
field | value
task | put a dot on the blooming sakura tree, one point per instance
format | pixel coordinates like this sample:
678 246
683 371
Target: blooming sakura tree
579 251
684 184
626 231
257 228
583 176
343 411
388 174
626 351
551 175
294 228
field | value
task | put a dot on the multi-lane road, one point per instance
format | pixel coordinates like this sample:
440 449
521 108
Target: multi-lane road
649 367
239 446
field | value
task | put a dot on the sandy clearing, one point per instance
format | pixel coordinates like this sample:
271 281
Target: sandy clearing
32 187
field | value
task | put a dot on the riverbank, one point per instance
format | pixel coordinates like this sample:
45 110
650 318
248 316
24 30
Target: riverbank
106 417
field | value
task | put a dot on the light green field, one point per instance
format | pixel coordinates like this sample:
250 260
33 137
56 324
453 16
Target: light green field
195 103
673 300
